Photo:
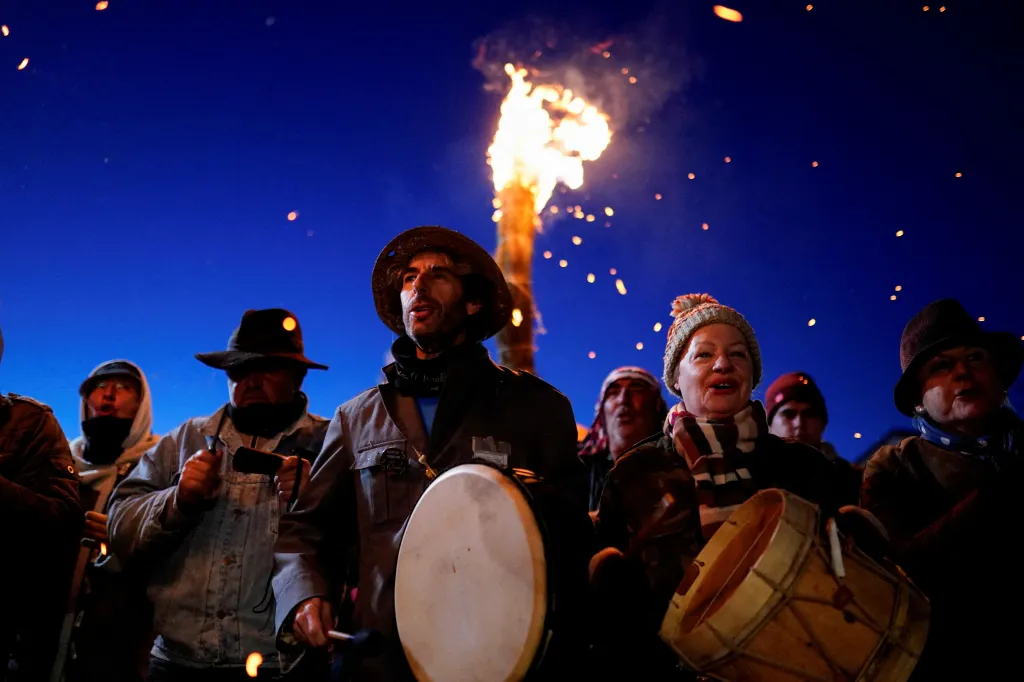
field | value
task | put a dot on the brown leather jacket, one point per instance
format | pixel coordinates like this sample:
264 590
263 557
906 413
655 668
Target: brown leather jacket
953 523
40 522
352 501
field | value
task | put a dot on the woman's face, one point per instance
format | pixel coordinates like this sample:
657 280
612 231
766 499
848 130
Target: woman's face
714 372
960 389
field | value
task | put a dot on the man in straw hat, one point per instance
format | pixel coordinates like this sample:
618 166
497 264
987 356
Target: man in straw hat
444 403
950 497
203 527
40 522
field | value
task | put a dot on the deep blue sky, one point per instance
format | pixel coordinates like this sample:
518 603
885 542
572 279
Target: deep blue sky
150 154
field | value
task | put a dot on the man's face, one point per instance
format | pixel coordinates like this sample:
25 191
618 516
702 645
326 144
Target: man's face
113 396
630 413
800 421
960 389
268 381
434 311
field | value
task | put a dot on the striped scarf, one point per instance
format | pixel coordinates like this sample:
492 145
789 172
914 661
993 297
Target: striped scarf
718 454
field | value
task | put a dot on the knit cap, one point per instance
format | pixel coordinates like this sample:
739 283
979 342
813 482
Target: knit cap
693 311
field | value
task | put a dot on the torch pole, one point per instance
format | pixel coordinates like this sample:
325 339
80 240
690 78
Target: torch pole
516 231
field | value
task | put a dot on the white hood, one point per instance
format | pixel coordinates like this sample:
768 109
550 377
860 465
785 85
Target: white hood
139 439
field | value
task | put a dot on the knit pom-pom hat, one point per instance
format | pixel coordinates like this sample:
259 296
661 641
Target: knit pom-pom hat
693 311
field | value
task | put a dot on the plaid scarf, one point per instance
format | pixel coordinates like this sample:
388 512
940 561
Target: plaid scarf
718 454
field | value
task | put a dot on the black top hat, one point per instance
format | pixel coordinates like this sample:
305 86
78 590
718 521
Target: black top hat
946 324
271 333
396 255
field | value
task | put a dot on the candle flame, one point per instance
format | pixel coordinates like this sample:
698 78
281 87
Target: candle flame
254 661
103 549
536 149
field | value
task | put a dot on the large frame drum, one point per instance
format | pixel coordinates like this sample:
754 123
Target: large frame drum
491 571
769 600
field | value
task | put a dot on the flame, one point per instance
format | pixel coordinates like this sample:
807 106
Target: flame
534 149
517 317
6 31
103 549
100 6
254 661
24 63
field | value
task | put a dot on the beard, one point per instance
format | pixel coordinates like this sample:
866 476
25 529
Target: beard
443 334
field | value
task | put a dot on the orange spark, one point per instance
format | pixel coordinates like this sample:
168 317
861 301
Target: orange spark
620 286
591 355
577 240
981 319
727 14
563 263
703 226
289 324
899 233
657 326
632 80
6 31
691 176
856 435
554 209
893 297
102 5
814 164
24 63
899 288
606 54
728 159
590 218
612 271
640 345
657 197
591 278
959 175
496 202
547 254
810 7
293 215
496 216
517 317
608 211
811 322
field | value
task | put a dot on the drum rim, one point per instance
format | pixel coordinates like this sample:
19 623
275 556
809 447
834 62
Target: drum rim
514 476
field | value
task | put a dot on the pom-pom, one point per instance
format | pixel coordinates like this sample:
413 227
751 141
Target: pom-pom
689 301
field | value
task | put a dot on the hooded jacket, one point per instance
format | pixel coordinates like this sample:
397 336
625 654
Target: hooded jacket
101 478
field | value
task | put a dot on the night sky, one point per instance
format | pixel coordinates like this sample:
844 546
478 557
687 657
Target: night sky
151 154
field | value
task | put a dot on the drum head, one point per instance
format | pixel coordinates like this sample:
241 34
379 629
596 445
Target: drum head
471 585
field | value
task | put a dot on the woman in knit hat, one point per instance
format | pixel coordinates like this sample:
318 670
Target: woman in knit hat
665 497
950 497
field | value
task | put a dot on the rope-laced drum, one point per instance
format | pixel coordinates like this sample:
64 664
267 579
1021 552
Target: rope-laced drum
769 599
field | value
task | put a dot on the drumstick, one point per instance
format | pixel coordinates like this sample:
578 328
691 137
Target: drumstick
369 641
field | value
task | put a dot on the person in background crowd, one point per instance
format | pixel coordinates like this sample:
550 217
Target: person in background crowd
40 523
445 403
629 409
796 410
950 497
109 607
204 528
667 496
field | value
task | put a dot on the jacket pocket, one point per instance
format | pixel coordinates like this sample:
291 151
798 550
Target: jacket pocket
388 478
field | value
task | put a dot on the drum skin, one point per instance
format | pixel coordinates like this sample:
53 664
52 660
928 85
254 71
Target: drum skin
762 602
489 577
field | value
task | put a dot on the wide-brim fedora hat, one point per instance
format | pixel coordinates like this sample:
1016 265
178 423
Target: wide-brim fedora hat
393 259
269 333
945 324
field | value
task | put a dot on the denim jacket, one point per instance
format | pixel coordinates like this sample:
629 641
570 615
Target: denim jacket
210 576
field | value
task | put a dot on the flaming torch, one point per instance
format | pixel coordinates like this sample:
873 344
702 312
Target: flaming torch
544 135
